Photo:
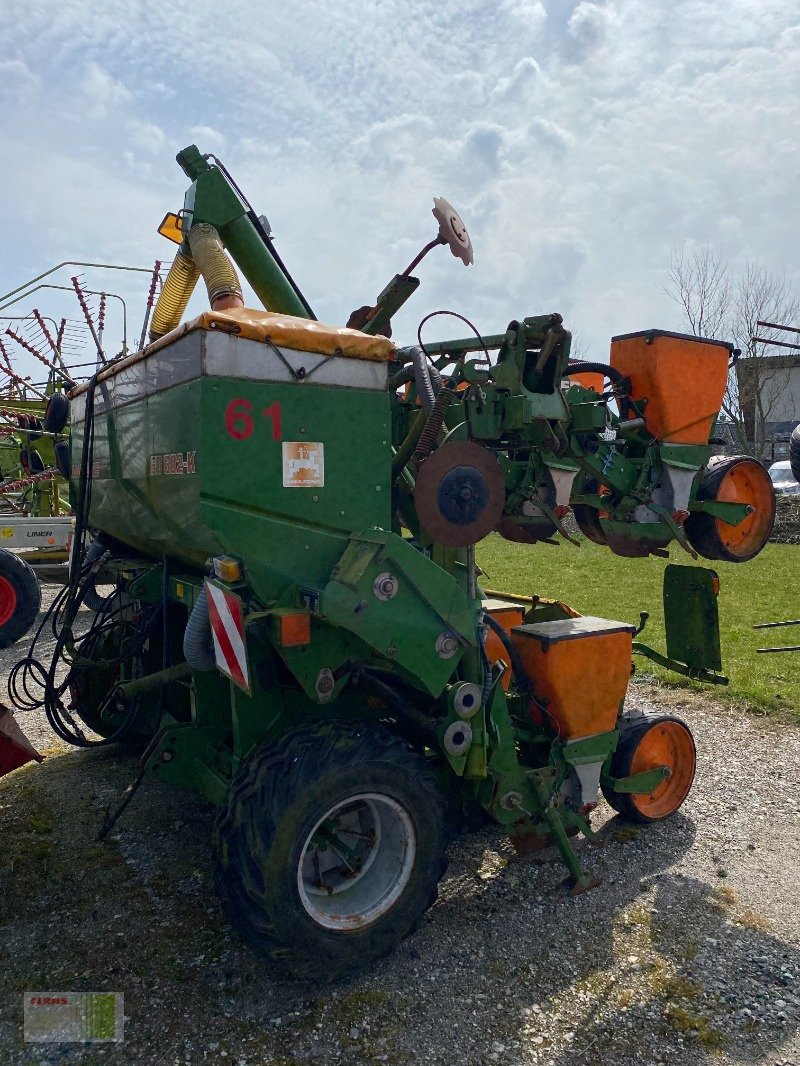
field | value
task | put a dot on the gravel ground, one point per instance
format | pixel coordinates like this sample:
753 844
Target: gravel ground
688 952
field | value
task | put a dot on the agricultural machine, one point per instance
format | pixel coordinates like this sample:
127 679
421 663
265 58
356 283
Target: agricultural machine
299 630
35 518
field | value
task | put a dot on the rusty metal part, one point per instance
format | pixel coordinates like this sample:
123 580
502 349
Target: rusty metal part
579 888
459 494
512 530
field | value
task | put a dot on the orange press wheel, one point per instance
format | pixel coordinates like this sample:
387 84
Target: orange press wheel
734 479
646 744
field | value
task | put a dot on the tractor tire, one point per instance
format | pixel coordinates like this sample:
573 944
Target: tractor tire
646 743
292 807
794 453
56 413
733 479
587 518
20 598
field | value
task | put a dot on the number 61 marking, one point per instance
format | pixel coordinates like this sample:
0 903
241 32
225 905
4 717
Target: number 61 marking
239 422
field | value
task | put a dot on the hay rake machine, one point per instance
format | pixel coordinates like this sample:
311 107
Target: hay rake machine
299 631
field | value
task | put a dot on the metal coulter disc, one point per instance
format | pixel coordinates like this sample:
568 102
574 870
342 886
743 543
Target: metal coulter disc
459 494
452 230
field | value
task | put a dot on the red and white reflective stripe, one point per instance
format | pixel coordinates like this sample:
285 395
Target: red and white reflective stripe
227 629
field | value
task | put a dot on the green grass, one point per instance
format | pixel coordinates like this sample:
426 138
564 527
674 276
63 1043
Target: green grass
595 581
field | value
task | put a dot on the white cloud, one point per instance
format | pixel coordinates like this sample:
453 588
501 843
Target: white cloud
146 137
530 13
550 133
208 137
586 28
102 93
524 81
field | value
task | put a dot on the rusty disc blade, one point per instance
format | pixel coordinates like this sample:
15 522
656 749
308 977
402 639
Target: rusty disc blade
459 494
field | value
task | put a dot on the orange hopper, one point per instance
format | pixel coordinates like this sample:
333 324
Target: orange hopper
683 379
579 668
589 379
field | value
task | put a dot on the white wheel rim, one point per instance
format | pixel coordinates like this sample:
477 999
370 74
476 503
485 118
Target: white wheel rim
356 861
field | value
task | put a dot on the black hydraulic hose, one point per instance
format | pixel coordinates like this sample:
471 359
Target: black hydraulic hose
621 385
524 683
426 377
583 366
273 251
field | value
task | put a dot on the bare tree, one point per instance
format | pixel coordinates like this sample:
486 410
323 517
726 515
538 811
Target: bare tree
726 305
700 285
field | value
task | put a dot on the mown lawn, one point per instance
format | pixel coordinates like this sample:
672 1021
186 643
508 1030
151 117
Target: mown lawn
595 581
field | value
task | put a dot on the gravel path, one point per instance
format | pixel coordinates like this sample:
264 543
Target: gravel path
689 952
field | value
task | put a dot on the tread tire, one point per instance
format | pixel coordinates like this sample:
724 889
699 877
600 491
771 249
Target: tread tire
56 413
274 802
794 453
29 597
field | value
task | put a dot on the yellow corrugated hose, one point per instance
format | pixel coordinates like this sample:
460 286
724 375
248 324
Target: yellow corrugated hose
222 282
174 296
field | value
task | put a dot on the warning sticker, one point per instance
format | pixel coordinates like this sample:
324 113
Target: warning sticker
303 464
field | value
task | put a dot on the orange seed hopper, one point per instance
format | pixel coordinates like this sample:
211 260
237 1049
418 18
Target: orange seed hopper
683 379
589 379
580 667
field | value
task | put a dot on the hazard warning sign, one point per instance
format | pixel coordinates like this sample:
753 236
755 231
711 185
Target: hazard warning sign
303 464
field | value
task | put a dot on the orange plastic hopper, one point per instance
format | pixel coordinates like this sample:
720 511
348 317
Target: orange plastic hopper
683 379
580 668
589 379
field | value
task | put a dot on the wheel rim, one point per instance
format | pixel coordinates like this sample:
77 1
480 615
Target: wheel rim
747 482
667 744
356 862
8 600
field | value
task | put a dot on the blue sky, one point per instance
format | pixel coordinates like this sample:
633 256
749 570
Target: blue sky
580 141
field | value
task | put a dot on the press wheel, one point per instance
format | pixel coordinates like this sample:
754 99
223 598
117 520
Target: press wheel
646 744
733 479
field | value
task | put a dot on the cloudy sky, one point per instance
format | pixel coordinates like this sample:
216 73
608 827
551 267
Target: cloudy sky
580 141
